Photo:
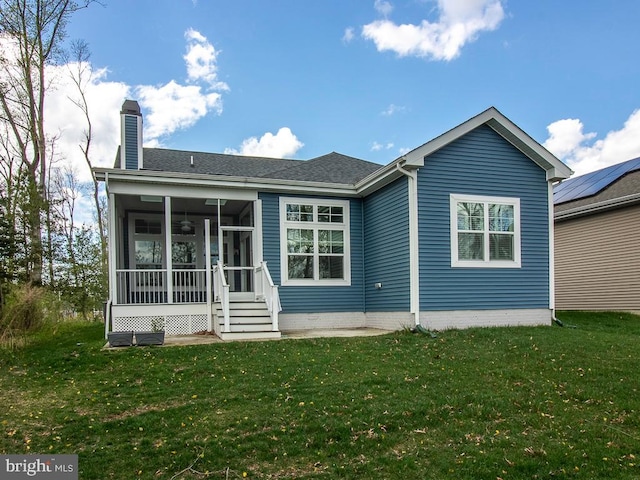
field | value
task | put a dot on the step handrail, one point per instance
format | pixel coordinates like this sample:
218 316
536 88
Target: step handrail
269 291
221 290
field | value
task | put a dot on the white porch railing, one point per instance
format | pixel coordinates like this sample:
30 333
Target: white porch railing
221 292
141 286
150 286
136 287
266 289
189 286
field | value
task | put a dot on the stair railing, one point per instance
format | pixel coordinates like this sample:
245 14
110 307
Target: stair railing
266 289
221 291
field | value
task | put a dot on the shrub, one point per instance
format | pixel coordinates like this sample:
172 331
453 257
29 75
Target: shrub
26 310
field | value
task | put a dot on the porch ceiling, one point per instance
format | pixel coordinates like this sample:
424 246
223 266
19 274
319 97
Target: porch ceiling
179 205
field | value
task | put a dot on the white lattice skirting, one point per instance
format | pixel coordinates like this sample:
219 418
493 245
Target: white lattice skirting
172 324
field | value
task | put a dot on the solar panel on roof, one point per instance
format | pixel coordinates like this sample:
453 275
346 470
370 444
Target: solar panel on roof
592 183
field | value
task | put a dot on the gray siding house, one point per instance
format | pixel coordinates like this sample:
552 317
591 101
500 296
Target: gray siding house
456 233
597 226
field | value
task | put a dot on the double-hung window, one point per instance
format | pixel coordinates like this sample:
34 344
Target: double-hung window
485 231
314 242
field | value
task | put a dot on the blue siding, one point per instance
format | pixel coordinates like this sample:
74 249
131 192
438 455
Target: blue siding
482 163
131 142
311 299
387 257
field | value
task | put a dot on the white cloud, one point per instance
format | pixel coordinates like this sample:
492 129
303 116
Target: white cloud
348 35
173 107
569 143
67 121
376 147
459 22
383 7
393 109
201 60
281 145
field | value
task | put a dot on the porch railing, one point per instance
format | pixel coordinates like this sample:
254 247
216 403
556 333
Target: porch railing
266 289
221 290
136 287
150 286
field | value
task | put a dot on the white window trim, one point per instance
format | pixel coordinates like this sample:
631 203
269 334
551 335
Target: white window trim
161 237
315 225
454 199
151 237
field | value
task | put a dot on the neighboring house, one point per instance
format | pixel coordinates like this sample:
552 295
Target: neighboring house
597 227
455 233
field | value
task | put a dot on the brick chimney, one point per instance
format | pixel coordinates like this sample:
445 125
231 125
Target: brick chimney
131 139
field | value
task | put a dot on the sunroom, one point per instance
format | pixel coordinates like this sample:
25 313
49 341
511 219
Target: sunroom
183 262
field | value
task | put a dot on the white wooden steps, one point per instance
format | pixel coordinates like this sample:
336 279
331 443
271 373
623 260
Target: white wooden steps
247 321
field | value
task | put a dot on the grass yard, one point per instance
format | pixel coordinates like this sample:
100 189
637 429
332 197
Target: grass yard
506 403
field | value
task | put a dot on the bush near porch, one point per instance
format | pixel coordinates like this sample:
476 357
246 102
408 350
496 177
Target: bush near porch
480 403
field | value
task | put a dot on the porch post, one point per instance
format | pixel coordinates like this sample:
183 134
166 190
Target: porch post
113 245
256 238
111 262
167 241
207 256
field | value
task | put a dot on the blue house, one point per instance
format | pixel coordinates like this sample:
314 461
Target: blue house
456 233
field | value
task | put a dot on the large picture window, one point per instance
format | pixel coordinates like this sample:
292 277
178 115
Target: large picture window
314 241
485 231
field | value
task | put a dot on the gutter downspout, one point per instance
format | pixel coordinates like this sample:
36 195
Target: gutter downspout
552 273
552 261
414 264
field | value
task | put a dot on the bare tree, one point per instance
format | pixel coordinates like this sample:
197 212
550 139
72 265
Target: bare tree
78 276
81 75
31 34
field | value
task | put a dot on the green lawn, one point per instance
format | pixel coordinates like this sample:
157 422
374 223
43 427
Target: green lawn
508 403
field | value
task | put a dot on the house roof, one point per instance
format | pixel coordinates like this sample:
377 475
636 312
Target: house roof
612 187
331 168
594 182
332 173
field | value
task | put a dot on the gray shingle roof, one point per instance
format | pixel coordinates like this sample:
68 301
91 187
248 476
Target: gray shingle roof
331 168
625 186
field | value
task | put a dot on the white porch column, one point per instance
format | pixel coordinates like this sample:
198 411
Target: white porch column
167 241
207 256
113 245
257 240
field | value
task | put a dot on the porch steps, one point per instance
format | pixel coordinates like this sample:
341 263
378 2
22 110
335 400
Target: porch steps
247 321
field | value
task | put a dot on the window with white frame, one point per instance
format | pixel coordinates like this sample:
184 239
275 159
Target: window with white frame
147 244
485 231
314 242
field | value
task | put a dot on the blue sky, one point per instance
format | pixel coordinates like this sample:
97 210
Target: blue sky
370 79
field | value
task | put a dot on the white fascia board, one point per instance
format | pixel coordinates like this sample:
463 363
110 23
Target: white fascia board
378 179
555 169
222 181
388 174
